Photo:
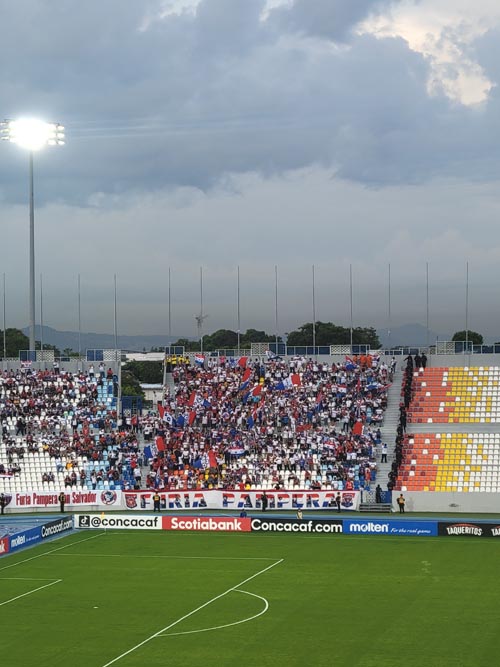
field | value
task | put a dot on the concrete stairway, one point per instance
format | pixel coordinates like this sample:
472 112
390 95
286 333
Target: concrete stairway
169 383
388 429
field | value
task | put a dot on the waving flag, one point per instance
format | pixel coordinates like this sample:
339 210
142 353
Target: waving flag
257 391
192 399
212 459
150 451
242 362
247 374
161 410
160 444
357 429
199 359
192 417
349 364
168 419
373 386
295 380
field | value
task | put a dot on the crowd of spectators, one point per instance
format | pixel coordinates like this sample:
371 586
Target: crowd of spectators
69 418
281 424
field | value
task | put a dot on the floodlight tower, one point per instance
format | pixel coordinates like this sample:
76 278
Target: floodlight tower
199 323
33 135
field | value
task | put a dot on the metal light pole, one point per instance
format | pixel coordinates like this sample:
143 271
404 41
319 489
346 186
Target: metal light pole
33 135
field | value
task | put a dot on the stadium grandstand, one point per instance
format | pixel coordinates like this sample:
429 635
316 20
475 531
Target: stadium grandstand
299 423
367 422
450 442
59 430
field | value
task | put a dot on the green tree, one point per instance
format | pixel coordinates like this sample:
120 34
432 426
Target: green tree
254 336
328 333
472 336
130 385
220 339
366 336
15 340
189 345
149 372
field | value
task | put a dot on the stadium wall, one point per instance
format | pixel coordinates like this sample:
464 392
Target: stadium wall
424 501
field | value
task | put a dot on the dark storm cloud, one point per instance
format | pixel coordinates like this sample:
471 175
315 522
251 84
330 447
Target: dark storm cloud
196 96
329 19
226 136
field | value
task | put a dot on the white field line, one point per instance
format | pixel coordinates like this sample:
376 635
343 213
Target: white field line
168 556
26 579
46 553
194 611
57 581
227 625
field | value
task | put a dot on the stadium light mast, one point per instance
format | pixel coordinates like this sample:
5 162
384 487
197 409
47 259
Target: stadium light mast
32 135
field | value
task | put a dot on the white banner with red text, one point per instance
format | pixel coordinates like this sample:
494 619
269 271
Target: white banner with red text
74 499
241 500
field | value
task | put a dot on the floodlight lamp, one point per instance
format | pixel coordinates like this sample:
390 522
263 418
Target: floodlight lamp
31 133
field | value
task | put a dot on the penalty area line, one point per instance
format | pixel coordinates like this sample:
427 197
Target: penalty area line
18 597
194 611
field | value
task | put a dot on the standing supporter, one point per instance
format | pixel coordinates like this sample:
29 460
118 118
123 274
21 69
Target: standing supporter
62 500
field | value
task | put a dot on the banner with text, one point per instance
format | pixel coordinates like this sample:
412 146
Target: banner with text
117 522
468 529
98 499
234 524
241 500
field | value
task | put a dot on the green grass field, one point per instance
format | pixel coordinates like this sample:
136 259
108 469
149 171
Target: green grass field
160 598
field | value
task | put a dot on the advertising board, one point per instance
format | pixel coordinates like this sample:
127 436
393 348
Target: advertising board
118 521
270 525
468 529
4 546
390 527
56 527
25 538
233 524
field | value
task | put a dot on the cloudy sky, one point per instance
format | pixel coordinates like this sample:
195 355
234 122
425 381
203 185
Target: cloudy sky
226 133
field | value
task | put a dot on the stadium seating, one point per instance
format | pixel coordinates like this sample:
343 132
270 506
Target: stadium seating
468 462
456 395
64 417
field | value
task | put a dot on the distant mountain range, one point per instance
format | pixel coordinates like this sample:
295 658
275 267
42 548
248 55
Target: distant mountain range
97 341
412 335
